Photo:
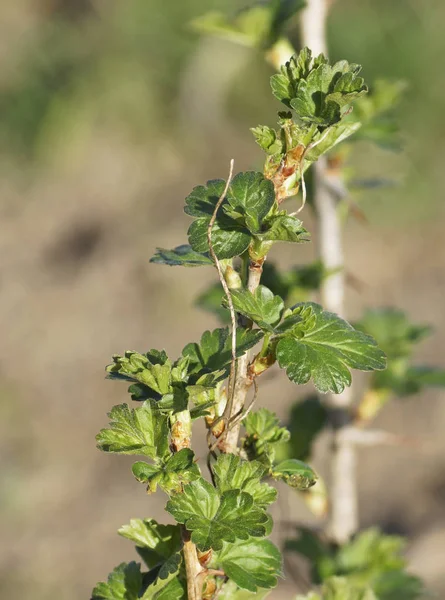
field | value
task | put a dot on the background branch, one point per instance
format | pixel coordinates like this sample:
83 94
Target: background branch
344 501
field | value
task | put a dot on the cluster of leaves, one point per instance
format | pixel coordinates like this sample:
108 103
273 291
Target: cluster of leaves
369 567
320 98
227 520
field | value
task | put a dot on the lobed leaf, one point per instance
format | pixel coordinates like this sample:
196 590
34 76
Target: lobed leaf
154 542
251 564
230 472
214 519
229 239
124 583
214 352
264 435
318 92
251 195
321 346
141 430
153 370
262 306
178 469
282 227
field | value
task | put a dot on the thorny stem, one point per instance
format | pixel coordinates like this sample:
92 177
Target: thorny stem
344 497
192 567
181 438
243 382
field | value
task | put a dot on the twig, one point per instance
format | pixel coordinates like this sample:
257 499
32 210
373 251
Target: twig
232 376
303 183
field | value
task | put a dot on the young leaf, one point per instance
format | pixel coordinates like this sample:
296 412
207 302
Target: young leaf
252 195
152 369
263 435
167 584
282 227
295 473
231 473
137 431
154 542
179 469
328 139
213 519
261 307
323 347
183 256
214 352
124 583
318 92
251 564
267 138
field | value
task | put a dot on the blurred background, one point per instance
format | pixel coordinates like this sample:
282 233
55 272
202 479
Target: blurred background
110 112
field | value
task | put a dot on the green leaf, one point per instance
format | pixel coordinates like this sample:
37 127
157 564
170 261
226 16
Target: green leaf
183 256
295 473
296 284
213 352
249 199
394 332
267 138
155 542
230 591
124 583
263 435
179 469
259 25
152 369
167 584
318 92
398 337
282 227
399 585
251 564
202 200
137 431
252 195
230 472
339 588
229 239
261 307
321 346
329 139
371 561
248 28
213 519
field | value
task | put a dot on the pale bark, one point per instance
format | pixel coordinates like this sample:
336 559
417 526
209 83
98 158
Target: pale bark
243 382
344 500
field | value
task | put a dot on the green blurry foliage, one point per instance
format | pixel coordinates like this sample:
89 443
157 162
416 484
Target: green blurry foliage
371 561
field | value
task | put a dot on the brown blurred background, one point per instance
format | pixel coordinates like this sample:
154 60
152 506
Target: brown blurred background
110 112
